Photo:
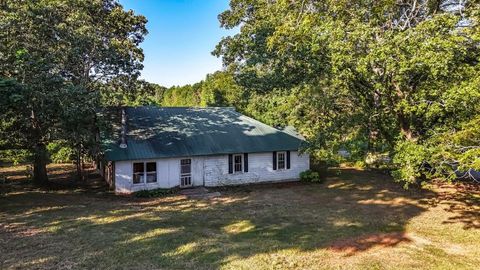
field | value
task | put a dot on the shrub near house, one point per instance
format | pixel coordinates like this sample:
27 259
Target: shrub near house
310 176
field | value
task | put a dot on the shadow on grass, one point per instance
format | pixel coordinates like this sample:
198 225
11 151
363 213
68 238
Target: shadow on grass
348 214
463 200
62 177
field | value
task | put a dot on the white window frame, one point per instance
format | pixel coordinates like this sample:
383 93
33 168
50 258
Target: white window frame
284 160
241 163
144 175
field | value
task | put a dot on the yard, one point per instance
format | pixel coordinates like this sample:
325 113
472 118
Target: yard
355 220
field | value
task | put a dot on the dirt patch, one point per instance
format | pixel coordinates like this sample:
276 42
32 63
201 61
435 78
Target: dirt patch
351 246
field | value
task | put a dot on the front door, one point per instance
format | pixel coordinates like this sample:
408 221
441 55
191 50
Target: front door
186 172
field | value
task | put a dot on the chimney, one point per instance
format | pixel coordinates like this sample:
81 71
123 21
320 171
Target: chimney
123 139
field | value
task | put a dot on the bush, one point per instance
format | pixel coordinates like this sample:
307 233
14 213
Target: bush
159 192
15 156
357 164
409 159
63 155
60 153
310 176
319 166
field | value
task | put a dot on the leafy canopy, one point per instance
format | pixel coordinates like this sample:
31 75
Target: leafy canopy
398 76
54 56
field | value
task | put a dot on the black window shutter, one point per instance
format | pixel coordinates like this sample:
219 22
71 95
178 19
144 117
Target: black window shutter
230 163
245 161
288 159
274 160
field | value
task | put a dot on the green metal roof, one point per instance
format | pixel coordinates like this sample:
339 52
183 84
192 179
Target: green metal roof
161 132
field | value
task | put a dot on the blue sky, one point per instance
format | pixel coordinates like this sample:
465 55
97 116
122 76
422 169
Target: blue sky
182 33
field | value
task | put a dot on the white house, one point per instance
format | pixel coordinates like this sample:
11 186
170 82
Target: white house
157 147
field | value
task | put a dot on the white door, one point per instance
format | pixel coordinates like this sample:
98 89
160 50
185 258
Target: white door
186 172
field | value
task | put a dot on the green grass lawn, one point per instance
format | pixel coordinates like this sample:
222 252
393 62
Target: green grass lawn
355 220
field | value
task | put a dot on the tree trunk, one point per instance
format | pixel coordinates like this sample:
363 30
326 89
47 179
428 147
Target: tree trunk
403 120
83 168
405 127
407 132
78 164
40 176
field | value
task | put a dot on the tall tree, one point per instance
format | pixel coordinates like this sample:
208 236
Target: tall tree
49 48
392 71
221 89
127 90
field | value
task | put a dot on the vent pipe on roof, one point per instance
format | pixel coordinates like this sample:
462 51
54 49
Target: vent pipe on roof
123 139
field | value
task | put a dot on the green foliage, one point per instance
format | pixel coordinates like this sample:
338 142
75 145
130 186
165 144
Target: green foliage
459 145
55 56
441 155
310 176
28 172
15 156
367 78
64 154
159 192
59 152
410 159
179 96
220 89
320 166
130 91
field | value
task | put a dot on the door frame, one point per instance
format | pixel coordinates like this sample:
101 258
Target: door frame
186 175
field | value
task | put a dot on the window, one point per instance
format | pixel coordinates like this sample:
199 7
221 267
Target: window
237 163
151 172
185 167
281 160
138 172
144 172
